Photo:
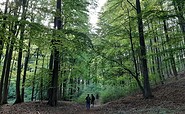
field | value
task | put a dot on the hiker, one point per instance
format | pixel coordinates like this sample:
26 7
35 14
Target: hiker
97 96
92 99
88 101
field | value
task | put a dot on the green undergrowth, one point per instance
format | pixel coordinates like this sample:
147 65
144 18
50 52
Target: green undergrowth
106 93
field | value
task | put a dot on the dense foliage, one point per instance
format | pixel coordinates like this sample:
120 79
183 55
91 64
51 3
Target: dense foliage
108 60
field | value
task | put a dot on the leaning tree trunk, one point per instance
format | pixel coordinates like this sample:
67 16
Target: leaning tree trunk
144 67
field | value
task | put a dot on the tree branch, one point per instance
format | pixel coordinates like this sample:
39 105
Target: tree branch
124 67
131 4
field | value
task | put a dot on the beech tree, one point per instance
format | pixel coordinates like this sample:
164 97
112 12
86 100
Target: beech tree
8 57
19 64
136 44
152 44
55 70
144 67
2 45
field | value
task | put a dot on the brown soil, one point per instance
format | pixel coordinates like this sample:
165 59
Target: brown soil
169 98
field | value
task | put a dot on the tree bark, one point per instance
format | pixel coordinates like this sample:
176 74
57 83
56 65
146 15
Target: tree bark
172 59
25 69
41 80
35 72
7 71
1 51
15 32
157 58
3 72
136 77
144 68
179 6
19 65
3 28
54 83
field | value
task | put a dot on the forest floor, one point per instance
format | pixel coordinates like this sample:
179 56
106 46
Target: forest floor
169 98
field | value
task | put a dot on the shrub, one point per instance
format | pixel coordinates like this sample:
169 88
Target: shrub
112 93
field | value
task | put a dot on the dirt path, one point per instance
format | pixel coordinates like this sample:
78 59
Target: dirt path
169 99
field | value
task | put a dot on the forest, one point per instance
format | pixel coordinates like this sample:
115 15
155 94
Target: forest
52 56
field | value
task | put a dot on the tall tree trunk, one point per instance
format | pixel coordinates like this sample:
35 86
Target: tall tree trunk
157 58
64 89
179 6
63 73
41 80
11 71
3 28
172 59
34 75
25 69
3 71
136 77
7 71
144 69
19 65
1 51
71 87
15 32
54 83
50 72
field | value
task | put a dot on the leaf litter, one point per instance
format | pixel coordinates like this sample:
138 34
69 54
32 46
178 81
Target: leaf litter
169 99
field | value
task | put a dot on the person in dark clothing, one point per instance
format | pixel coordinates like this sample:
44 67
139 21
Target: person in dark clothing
97 96
88 101
92 99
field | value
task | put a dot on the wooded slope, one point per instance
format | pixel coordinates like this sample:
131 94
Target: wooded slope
169 98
